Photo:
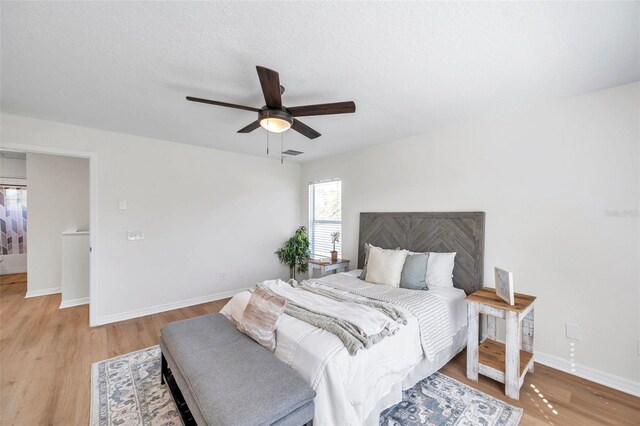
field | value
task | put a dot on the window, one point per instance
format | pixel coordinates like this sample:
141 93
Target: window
13 220
325 217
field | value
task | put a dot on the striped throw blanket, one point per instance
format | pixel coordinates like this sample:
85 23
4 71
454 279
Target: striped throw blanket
433 318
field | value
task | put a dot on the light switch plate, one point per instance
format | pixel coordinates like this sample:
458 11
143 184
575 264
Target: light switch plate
573 331
122 204
135 235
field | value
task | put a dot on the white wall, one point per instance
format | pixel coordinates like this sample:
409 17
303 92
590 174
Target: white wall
13 168
546 179
13 263
75 268
10 170
211 219
58 201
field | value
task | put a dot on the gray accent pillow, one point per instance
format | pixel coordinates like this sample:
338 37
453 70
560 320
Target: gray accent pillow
363 275
414 272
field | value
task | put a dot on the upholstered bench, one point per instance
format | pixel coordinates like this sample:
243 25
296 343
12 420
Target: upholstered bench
219 376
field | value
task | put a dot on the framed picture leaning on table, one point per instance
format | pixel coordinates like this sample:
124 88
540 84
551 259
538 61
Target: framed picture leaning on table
504 285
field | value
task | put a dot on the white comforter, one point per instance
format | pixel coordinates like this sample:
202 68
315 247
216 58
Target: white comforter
348 387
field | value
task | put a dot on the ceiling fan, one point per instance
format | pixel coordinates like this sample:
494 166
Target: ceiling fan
277 118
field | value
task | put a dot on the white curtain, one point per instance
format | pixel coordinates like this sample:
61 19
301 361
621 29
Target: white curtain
13 219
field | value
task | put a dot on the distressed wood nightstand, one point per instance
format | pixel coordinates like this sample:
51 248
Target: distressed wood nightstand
507 363
328 266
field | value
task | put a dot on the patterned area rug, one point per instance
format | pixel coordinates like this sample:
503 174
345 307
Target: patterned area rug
441 400
126 391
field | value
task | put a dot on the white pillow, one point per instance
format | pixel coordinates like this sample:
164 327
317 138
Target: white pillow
440 270
385 266
234 309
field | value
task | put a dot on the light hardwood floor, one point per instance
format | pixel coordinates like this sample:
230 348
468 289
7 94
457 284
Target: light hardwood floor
46 355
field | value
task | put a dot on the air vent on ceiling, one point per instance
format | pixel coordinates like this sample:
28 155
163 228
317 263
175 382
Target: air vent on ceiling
292 152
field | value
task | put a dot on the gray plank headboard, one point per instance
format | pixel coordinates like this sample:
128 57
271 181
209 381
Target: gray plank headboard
460 232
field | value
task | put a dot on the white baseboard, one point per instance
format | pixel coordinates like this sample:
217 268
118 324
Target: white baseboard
589 373
74 302
136 313
14 270
43 292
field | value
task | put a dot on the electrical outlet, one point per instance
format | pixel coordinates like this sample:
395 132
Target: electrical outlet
223 276
135 235
573 331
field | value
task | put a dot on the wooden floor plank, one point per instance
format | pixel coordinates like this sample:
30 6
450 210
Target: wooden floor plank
46 356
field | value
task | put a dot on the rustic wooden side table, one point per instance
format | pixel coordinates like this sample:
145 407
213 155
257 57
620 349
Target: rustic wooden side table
507 363
328 266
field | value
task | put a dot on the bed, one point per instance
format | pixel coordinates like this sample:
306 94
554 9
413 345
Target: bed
354 390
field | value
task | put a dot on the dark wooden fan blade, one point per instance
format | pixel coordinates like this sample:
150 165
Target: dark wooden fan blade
250 128
224 104
302 128
323 109
270 82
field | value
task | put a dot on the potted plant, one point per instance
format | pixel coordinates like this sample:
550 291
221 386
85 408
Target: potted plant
295 252
335 238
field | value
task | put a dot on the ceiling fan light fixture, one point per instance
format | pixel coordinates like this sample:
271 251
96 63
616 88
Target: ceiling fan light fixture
275 125
275 120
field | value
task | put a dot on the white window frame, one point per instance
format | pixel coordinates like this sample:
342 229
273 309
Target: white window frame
313 221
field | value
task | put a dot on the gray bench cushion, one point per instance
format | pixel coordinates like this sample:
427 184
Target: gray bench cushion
231 378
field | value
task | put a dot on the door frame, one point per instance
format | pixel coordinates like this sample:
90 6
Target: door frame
93 211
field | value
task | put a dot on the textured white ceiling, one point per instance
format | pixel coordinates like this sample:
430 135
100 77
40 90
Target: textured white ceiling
410 67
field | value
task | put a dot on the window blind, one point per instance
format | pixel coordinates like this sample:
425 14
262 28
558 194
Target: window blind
325 217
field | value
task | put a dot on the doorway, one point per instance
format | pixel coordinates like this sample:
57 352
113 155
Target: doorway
61 221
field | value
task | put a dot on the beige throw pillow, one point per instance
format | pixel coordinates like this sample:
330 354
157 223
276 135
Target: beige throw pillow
385 266
261 317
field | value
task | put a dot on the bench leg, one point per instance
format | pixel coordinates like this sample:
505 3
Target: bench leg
163 370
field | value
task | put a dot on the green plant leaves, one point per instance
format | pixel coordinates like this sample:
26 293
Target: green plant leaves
295 252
